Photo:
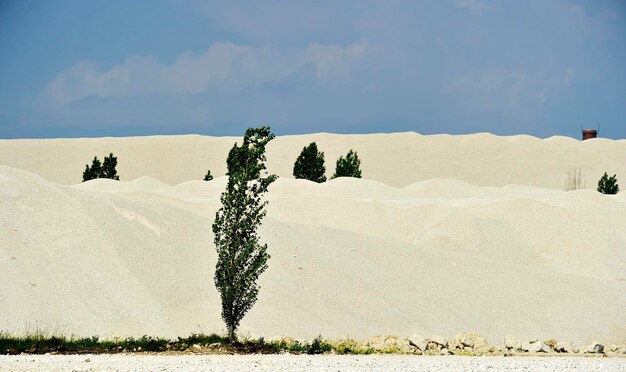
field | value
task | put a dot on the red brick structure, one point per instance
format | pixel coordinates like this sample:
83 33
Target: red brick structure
589 133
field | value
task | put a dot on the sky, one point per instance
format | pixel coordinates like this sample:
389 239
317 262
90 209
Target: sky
94 68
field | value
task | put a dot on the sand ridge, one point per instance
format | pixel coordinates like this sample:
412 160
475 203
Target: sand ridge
395 159
349 258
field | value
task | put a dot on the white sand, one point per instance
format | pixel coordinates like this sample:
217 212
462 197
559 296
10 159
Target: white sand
349 257
397 159
134 362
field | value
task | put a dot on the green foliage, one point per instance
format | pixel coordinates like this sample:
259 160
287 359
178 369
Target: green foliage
203 339
108 168
319 346
104 170
208 176
40 344
608 185
247 162
348 166
241 259
94 171
350 346
292 346
310 164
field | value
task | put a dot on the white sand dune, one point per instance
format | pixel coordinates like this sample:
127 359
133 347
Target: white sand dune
396 159
349 257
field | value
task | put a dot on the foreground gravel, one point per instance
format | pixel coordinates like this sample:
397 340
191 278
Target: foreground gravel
301 363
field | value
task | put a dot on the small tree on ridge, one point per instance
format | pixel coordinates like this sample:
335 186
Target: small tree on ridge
208 176
608 185
101 170
350 166
94 171
310 164
108 168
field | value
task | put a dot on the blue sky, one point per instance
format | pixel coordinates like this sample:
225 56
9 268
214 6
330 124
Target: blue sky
117 68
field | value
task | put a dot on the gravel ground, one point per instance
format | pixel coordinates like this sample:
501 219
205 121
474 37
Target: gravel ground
303 363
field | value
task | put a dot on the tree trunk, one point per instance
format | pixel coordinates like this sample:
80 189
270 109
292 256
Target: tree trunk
231 333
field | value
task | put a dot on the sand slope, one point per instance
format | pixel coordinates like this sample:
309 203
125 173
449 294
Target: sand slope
396 159
349 257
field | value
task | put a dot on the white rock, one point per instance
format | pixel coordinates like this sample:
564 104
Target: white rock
512 343
439 341
405 346
535 346
455 342
566 347
463 340
594 348
544 348
617 349
419 342
474 341
385 342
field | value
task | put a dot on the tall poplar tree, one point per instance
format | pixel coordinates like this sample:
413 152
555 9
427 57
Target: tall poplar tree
241 259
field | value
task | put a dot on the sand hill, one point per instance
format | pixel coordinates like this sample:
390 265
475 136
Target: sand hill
396 159
454 249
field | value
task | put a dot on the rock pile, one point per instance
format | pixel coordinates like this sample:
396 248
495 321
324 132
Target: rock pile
470 343
461 344
435 345
474 344
390 344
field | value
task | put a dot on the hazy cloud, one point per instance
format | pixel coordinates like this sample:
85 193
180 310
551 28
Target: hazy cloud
568 76
224 66
333 60
475 6
541 97
510 83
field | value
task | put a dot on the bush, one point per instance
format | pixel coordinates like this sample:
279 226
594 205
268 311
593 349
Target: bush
310 164
104 170
208 176
348 166
608 185
319 346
